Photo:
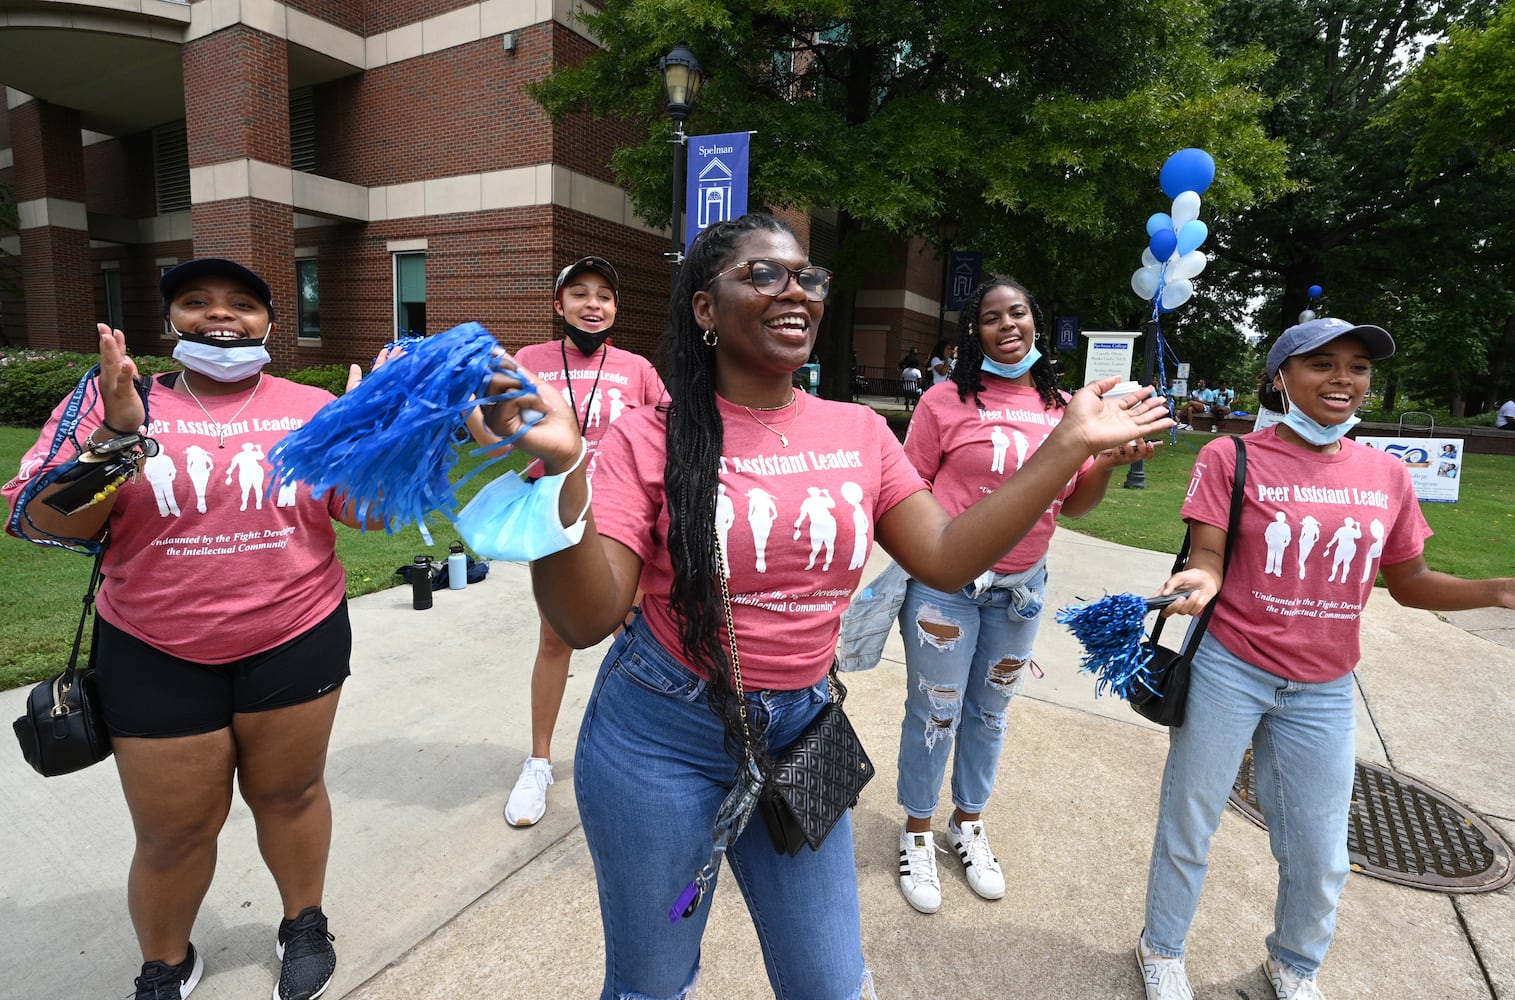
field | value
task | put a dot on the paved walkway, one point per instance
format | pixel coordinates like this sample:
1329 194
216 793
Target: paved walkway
431 895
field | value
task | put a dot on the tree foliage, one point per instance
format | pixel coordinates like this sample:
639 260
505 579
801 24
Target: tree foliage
1039 127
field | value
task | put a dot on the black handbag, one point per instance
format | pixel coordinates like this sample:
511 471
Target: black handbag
1165 693
816 778
63 729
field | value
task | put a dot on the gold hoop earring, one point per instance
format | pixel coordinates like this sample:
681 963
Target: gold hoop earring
711 338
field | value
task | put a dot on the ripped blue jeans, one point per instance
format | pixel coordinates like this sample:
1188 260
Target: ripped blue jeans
966 655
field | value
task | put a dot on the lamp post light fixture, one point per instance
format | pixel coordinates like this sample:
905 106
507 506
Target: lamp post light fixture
682 77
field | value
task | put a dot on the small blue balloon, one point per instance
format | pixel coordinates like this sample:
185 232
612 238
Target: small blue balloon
1315 291
1186 170
1157 221
1163 243
1192 236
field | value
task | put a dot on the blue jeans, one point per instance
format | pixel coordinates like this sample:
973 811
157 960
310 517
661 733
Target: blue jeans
649 775
961 687
1303 753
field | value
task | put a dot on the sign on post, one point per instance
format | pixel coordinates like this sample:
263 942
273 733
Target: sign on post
1110 354
716 189
1067 333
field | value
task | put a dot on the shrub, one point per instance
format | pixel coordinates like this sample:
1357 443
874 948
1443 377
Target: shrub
332 378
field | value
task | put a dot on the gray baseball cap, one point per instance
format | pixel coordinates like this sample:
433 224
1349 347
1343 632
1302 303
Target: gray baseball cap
1308 336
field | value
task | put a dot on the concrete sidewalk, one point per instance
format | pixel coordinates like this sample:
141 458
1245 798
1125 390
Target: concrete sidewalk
431 895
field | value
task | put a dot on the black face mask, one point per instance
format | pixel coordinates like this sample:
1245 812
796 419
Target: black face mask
587 343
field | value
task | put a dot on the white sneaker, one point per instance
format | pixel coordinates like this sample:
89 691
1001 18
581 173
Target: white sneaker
1164 978
1287 985
918 880
979 862
528 799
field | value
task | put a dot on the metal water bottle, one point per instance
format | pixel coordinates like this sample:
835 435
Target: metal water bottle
420 583
457 567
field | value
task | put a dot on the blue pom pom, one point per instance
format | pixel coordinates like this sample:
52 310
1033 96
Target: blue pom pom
1111 631
388 445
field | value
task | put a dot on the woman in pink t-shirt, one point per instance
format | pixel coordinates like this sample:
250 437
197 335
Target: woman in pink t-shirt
967 650
1275 666
743 487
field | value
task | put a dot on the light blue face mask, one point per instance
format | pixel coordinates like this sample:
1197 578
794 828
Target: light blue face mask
1312 432
518 521
1016 370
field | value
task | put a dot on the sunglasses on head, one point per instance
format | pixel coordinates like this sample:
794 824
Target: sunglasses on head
771 277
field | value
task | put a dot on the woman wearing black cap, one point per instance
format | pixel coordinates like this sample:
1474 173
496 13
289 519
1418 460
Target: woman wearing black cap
601 382
1275 666
222 631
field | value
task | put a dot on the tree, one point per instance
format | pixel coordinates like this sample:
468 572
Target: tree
1040 127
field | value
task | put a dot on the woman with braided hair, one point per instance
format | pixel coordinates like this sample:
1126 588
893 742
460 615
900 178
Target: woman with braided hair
968 650
662 741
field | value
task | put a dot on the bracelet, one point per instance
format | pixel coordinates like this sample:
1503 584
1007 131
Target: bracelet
115 430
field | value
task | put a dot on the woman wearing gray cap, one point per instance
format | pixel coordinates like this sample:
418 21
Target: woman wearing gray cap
1275 668
222 631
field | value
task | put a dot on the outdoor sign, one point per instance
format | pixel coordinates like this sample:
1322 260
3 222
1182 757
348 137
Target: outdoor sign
1067 333
1109 354
716 189
1435 464
963 269
1183 371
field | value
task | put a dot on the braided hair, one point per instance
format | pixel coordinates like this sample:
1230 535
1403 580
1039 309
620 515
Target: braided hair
691 474
970 350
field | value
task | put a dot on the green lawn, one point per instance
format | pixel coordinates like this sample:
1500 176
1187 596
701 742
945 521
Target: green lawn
44 586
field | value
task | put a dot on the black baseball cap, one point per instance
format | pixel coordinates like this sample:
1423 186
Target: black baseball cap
200 267
599 265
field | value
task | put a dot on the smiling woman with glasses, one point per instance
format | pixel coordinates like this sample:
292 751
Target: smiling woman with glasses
742 485
771 277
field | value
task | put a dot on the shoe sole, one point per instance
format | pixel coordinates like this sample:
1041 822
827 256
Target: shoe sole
194 977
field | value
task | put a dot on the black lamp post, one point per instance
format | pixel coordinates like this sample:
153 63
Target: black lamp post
1136 472
947 230
682 77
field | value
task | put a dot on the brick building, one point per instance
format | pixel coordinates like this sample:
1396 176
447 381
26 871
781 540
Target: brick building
381 164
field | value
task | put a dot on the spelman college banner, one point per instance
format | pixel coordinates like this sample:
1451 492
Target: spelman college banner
716 188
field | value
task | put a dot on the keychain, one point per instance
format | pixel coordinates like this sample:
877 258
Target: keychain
730 820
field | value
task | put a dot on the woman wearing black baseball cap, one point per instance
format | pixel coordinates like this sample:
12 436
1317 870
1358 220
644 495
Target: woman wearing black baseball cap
222 631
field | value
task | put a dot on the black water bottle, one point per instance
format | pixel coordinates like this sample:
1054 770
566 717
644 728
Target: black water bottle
420 583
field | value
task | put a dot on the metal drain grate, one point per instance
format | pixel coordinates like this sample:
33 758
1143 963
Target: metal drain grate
1402 830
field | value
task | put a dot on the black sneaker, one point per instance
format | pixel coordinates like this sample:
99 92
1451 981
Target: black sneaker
160 981
307 955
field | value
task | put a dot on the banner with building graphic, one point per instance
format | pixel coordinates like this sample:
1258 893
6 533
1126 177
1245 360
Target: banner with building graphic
715 186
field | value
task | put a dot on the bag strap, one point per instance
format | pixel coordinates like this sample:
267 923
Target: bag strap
1233 526
89 605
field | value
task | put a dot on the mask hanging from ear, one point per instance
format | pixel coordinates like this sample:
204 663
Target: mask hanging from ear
587 343
1313 432
1016 370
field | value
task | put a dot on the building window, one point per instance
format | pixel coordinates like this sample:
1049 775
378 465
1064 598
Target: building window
171 167
115 315
308 283
410 294
302 130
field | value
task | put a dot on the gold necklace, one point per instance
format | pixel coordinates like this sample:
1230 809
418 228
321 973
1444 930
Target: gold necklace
782 435
221 429
782 406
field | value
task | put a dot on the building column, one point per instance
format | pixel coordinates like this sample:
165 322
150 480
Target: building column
236 106
55 258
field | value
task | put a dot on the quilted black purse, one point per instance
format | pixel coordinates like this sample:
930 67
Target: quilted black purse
1165 694
63 729
816 778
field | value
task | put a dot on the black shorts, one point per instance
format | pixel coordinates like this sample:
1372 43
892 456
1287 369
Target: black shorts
147 693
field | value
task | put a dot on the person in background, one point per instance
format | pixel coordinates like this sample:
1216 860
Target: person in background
1506 418
1224 397
1278 681
910 384
1200 403
943 356
602 383
217 666
698 487
968 651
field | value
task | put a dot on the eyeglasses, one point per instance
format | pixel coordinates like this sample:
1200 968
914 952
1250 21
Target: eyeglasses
771 277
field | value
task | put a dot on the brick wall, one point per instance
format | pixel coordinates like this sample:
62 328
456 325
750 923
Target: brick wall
237 97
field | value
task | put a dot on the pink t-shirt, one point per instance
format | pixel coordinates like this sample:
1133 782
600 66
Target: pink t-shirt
1314 529
602 386
209 560
796 525
966 451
